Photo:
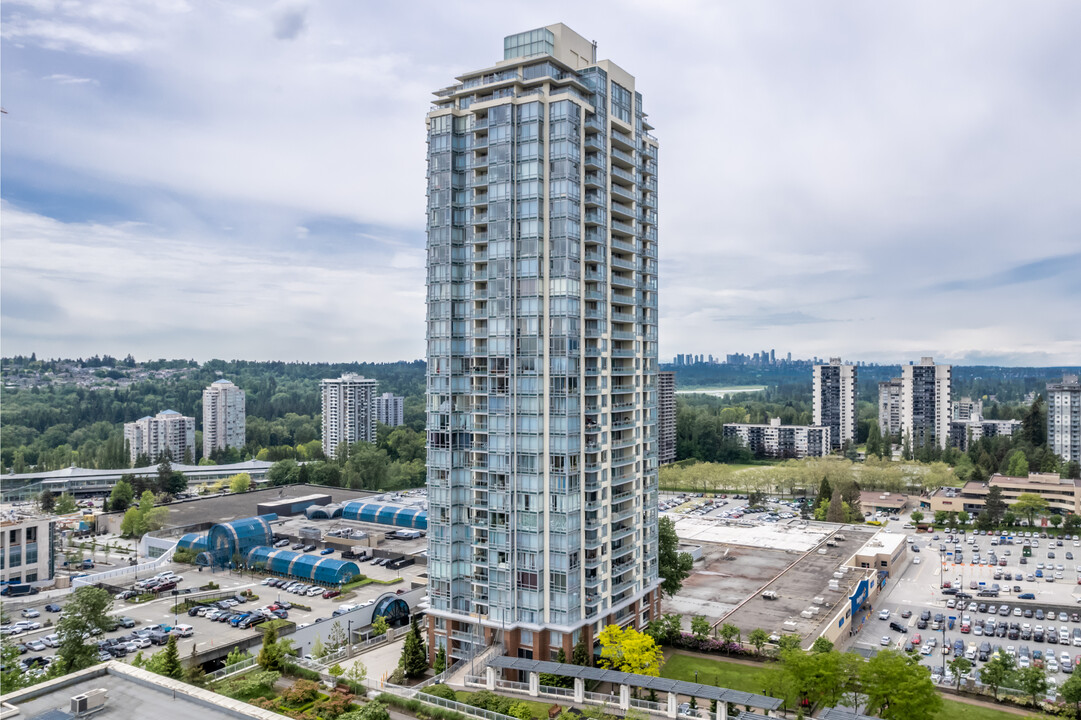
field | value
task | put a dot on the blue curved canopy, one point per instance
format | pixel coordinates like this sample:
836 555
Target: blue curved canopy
383 514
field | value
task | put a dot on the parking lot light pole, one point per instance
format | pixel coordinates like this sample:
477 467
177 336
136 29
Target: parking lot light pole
175 594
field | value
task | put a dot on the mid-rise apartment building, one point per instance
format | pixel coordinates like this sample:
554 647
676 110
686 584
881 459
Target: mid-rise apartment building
27 544
1062 494
889 406
925 403
224 417
348 411
775 440
834 395
666 417
966 409
167 433
390 409
965 432
1064 418
542 351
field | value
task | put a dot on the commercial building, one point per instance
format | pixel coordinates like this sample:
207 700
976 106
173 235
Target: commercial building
390 409
224 417
167 433
542 351
889 406
775 440
27 544
1064 418
348 411
834 394
1062 494
879 501
666 417
925 403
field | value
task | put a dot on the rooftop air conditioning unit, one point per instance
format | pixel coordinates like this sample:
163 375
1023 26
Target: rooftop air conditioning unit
89 702
820 601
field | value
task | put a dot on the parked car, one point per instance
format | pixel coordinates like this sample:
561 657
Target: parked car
328 551
30 613
52 607
327 594
309 548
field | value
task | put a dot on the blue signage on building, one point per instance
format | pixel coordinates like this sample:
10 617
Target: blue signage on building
859 597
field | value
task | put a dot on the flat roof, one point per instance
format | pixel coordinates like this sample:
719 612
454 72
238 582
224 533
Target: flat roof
792 534
882 542
233 506
132 692
883 499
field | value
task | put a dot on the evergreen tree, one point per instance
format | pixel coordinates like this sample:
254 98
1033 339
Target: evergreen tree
580 655
994 505
874 440
171 666
825 493
414 660
836 513
440 663
1034 424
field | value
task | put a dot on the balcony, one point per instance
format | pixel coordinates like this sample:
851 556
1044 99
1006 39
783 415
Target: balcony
622 192
623 264
595 180
593 160
622 140
618 172
595 142
624 280
623 227
621 157
624 211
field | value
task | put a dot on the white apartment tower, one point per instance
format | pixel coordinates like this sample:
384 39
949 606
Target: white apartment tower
390 409
348 411
542 351
835 401
224 417
167 432
1064 418
925 403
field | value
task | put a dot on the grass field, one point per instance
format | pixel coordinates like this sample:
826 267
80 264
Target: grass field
750 679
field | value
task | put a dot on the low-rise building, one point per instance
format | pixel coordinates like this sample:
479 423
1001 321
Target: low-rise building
781 441
1062 495
965 432
879 501
26 548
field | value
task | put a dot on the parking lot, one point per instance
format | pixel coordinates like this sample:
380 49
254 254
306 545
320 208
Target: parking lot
1025 606
208 633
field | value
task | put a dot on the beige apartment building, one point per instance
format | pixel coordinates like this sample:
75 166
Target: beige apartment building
1062 495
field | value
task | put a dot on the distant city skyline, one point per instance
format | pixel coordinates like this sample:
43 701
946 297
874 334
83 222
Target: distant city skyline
843 179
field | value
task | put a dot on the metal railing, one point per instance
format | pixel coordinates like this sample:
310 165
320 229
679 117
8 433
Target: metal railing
95 578
231 669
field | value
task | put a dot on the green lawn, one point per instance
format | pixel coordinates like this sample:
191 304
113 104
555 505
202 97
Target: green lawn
714 672
953 710
749 679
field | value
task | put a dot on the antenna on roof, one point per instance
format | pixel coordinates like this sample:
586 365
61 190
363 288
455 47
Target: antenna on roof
594 51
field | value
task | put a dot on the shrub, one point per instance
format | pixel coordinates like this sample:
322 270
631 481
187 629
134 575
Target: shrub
302 692
521 711
441 690
331 707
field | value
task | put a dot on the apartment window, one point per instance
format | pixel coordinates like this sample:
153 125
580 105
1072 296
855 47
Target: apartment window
15 556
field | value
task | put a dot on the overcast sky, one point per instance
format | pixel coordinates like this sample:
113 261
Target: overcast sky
877 180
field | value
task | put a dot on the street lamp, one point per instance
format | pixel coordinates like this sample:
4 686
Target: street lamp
349 640
175 594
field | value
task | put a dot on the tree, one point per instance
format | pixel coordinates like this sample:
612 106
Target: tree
628 650
995 506
1033 680
272 653
554 680
171 666
380 626
825 494
521 711
356 674
86 611
1034 424
674 566
1071 693
963 518
958 667
758 639
319 650
874 440
65 505
1017 465
906 447
728 633
240 483
440 663
236 655
997 671
121 496
1056 520
1009 518
835 513
414 660
699 626
821 645
47 501
1071 470
899 690
580 655
11 677
336 638
917 517
1072 523
1030 505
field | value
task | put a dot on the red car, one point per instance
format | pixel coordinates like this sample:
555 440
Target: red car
331 593
916 639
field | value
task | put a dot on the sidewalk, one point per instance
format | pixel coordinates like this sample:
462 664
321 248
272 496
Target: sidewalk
380 662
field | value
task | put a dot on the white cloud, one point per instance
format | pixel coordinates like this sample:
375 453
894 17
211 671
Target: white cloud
827 170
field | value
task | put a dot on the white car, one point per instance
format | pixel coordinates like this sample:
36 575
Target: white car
915 561
51 640
312 592
30 613
884 615
36 645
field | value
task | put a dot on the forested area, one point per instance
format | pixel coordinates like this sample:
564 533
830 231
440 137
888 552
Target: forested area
54 424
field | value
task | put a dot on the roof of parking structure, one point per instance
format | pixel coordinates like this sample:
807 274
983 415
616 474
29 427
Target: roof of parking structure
793 534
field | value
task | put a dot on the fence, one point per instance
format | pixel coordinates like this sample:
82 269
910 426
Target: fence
231 669
109 576
451 704
321 663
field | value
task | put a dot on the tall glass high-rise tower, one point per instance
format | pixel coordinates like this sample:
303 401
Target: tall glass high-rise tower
542 351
